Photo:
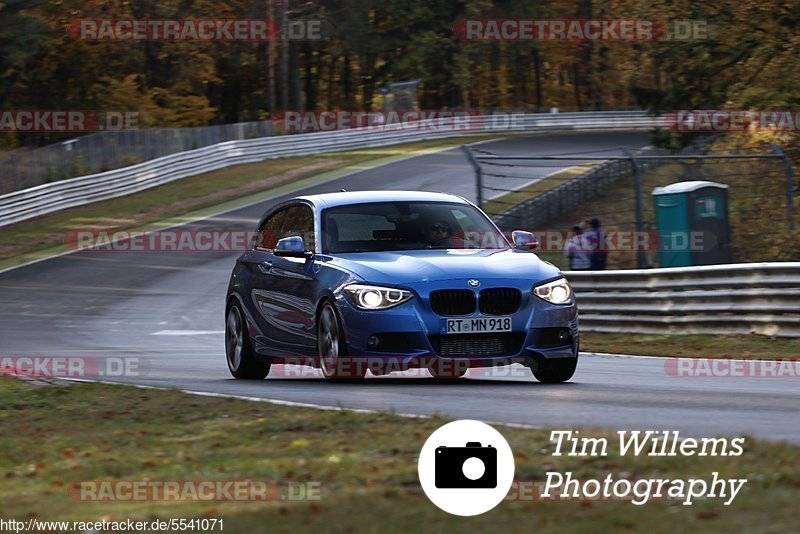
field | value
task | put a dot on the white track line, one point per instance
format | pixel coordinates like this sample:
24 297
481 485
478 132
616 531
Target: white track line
280 402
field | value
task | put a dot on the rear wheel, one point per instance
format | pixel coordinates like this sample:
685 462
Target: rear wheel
555 371
332 348
242 362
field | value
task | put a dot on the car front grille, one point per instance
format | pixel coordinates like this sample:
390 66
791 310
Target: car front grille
500 300
452 302
471 345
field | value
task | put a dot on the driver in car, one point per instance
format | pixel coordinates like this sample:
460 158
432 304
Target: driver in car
436 234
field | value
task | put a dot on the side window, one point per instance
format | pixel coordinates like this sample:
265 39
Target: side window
271 229
299 221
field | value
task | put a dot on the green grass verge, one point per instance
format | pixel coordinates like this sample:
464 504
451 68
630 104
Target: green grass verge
198 196
694 346
54 437
509 200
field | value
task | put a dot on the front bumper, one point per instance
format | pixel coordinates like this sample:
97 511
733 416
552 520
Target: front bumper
414 338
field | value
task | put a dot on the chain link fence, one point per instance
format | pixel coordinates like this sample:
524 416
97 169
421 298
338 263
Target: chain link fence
555 192
502 181
104 151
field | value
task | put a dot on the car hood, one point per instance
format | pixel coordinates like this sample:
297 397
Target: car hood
398 268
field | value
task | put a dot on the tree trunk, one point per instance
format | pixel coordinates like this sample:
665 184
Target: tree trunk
295 66
348 90
310 79
284 58
271 60
367 65
576 86
537 74
332 60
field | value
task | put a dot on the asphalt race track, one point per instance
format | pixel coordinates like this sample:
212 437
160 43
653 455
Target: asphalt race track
164 312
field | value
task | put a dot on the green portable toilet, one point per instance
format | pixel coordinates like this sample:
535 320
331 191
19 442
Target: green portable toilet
692 222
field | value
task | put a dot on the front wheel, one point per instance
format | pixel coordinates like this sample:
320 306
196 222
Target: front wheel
332 348
555 371
242 362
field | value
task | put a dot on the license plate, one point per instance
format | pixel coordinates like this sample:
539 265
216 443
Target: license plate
476 325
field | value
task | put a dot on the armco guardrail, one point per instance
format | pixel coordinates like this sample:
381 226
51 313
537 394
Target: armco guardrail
110 149
761 298
40 200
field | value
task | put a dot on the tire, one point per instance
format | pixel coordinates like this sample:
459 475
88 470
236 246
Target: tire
242 362
555 371
332 348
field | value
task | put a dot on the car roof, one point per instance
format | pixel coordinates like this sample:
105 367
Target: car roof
344 198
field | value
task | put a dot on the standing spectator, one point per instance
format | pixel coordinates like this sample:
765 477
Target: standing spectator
577 250
598 249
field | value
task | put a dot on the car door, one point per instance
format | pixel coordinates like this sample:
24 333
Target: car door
284 287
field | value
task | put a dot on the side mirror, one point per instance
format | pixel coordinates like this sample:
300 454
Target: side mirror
524 240
291 247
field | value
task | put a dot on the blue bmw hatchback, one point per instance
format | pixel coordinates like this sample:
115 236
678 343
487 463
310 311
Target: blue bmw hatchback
388 281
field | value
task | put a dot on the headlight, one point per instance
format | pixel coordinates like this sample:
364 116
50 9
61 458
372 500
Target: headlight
366 297
555 292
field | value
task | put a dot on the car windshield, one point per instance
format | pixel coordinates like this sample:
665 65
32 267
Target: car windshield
397 226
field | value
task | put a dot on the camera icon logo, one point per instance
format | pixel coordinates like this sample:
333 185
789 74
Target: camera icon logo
466 467
472 466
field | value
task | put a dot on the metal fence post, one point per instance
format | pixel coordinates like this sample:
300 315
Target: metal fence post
637 175
789 186
478 175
